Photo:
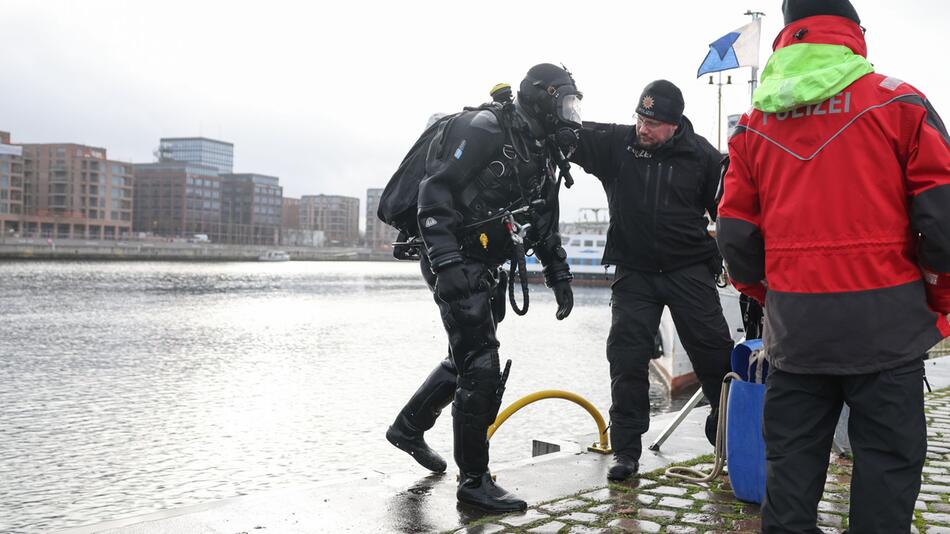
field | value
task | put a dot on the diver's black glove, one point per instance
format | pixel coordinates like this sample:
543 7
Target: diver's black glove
564 297
453 283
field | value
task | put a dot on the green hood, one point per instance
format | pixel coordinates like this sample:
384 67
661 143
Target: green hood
807 73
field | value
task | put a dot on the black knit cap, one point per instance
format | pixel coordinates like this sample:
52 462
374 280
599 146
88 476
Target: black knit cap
799 9
662 101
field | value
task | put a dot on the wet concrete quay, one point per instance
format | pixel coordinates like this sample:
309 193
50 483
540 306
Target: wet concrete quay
566 491
659 504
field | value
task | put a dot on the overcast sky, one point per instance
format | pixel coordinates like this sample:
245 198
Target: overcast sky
329 96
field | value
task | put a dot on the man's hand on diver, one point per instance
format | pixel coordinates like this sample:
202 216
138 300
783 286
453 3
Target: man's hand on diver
402 250
564 297
453 283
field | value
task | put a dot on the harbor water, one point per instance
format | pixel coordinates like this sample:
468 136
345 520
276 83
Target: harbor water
131 387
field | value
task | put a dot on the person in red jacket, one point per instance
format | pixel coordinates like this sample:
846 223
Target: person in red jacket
836 216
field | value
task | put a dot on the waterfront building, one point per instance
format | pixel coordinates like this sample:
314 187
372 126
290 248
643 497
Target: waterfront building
11 186
74 191
178 199
379 235
298 237
200 150
290 213
251 209
291 234
336 216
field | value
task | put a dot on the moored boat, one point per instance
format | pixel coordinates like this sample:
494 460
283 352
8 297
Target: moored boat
274 255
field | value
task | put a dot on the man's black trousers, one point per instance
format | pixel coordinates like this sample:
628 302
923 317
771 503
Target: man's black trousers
637 303
470 374
888 433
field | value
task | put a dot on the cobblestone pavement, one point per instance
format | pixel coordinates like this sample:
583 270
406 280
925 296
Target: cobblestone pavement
658 504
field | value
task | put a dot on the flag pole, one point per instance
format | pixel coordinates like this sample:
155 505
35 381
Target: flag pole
753 83
719 118
719 85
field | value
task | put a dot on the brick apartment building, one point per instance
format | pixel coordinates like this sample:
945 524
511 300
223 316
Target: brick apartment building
64 190
336 216
11 186
379 235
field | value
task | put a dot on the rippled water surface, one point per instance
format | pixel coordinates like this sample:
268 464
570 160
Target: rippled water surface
131 387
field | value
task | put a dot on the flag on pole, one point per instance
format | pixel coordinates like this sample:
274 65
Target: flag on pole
739 48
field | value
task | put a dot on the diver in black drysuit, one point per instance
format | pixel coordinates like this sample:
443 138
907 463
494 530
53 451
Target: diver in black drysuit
481 166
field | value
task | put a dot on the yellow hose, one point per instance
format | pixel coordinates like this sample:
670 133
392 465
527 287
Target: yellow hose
602 447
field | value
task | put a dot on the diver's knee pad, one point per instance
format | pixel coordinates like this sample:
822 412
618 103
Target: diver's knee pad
477 400
476 395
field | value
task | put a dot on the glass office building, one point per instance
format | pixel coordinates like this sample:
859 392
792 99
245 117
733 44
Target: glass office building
177 199
251 208
200 150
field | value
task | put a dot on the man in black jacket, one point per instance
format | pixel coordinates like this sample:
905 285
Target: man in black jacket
661 180
481 166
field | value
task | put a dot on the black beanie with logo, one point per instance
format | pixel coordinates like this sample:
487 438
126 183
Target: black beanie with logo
662 101
799 9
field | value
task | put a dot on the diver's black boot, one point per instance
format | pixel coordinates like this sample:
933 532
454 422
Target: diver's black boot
420 414
402 435
480 491
476 487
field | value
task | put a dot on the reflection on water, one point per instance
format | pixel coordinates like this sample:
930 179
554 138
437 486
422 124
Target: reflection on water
131 387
